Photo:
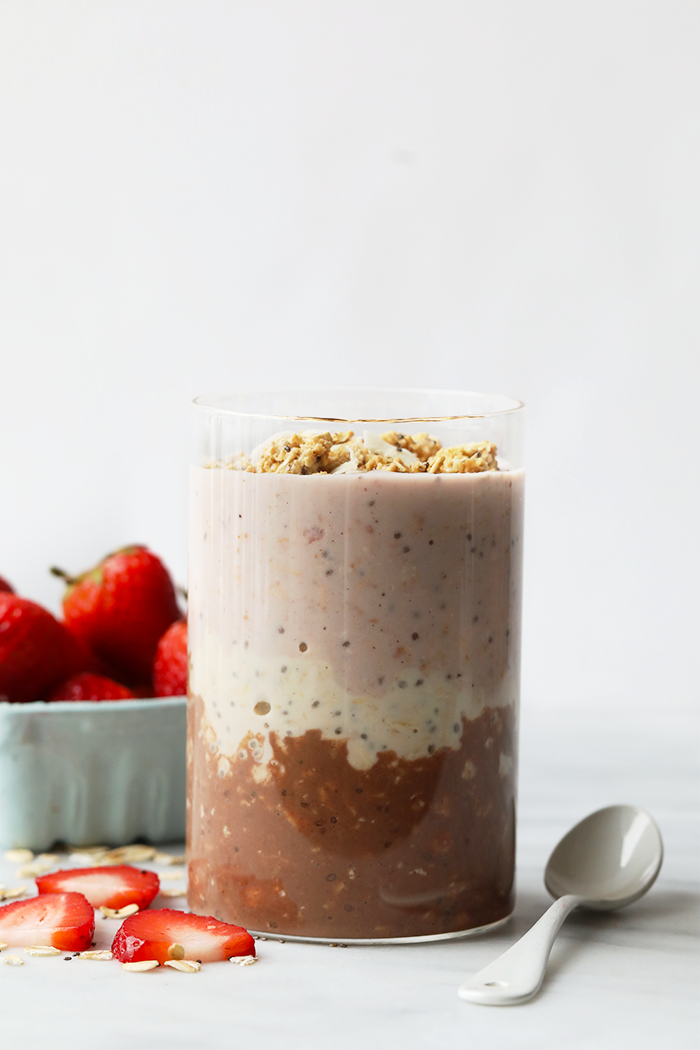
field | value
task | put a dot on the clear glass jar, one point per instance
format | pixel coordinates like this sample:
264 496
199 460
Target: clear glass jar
354 639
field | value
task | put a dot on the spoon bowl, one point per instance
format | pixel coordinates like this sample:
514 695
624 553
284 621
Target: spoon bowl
607 860
610 858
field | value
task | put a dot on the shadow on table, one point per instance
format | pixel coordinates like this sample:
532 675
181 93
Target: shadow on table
665 911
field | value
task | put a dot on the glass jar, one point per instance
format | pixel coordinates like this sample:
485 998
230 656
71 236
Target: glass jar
354 635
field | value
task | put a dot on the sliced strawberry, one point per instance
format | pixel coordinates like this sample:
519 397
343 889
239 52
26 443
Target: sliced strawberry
94 687
62 920
113 887
149 935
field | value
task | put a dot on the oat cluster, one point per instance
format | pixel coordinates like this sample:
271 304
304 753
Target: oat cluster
325 453
421 445
320 453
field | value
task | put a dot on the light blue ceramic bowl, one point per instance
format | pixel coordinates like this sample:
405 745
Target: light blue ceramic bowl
83 773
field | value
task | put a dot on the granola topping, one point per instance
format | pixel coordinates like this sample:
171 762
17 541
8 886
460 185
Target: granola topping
321 452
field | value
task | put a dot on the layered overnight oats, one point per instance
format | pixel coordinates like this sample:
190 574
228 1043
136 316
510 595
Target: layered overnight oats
354 632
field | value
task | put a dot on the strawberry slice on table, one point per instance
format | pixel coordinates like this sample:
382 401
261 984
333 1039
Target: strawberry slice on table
111 887
5 586
93 687
150 934
62 920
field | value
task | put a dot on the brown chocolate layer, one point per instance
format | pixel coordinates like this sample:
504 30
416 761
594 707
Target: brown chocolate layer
320 849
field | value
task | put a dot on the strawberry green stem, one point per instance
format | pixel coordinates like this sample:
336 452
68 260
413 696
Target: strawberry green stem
70 580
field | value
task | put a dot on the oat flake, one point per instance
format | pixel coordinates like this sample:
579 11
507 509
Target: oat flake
29 871
119 913
168 858
136 854
183 965
18 856
12 892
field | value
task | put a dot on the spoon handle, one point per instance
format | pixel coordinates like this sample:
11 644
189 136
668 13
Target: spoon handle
517 975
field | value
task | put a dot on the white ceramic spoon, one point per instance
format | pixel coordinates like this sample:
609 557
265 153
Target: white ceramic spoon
608 860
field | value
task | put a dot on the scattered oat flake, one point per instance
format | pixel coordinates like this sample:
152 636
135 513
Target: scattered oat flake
183 965
172 893
97 956
244 960
18 856
140 966
179 874
119 913
176 951
2 946
12 892
37 867
168 858
92 860
135 854
11 960
47 858
41 949
30 870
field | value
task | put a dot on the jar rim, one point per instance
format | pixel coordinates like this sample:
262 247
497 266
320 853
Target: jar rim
234 404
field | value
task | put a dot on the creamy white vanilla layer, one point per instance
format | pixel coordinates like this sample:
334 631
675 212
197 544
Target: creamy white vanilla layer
247 693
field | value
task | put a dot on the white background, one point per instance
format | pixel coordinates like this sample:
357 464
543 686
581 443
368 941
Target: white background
205 196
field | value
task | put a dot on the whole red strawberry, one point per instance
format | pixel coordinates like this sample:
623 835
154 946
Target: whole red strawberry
90 687
5 586
36 651
121 608
170 666
88 660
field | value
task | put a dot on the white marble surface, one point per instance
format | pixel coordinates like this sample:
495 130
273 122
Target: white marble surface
625 979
